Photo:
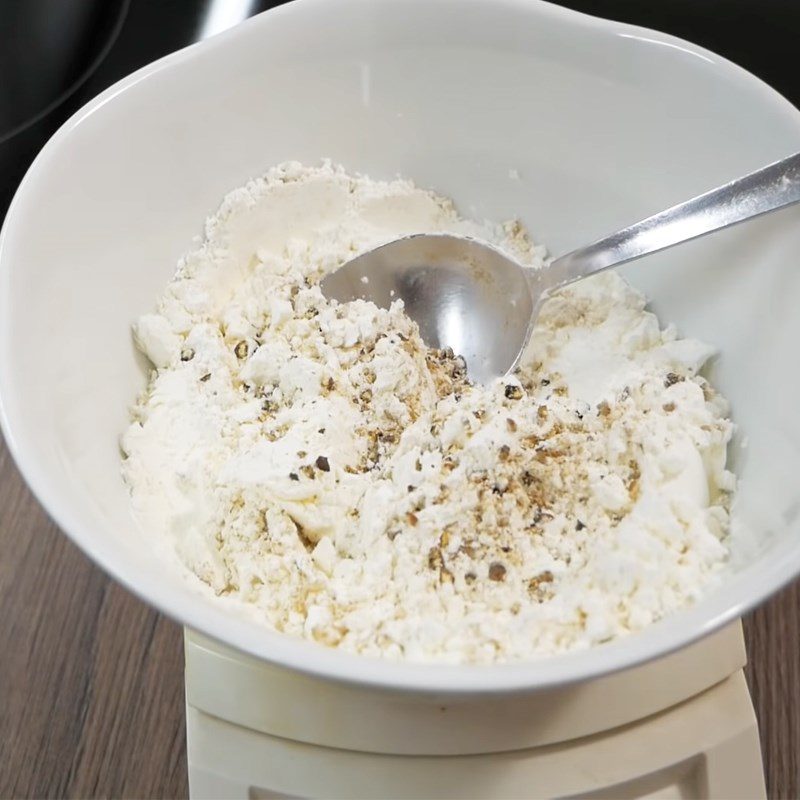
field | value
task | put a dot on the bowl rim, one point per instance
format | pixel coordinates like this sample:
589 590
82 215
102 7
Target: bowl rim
674 632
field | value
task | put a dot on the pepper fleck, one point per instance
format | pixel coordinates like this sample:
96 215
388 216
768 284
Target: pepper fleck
537 583
527 478
672 379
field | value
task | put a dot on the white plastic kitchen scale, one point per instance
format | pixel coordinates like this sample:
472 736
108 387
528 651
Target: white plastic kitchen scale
679 727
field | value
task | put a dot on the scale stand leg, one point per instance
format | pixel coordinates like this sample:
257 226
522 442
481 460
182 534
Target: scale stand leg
733 767
207 785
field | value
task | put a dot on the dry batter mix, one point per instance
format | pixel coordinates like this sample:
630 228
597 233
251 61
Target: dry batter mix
316 461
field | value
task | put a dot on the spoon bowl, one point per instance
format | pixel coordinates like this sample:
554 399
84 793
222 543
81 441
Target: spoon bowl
463 293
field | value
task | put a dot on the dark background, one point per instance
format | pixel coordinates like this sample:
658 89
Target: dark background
91 679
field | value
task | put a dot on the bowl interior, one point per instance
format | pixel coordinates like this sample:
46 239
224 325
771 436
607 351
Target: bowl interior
513 108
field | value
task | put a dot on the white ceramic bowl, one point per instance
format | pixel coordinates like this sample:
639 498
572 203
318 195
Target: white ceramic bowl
604 123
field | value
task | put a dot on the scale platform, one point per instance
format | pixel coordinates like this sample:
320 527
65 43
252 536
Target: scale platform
679 727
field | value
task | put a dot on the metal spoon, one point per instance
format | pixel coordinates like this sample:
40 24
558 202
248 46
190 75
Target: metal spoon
470 296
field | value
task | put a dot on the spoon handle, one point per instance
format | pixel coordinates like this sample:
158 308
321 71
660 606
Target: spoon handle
767 189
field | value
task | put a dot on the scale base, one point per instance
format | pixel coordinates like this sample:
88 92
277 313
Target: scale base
256 731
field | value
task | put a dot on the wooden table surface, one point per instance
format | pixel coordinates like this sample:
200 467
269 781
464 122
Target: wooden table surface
91 679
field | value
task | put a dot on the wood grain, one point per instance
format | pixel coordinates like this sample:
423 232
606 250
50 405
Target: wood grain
91 679
772 634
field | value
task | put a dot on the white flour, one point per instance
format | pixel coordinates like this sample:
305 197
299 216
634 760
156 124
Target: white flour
318 463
